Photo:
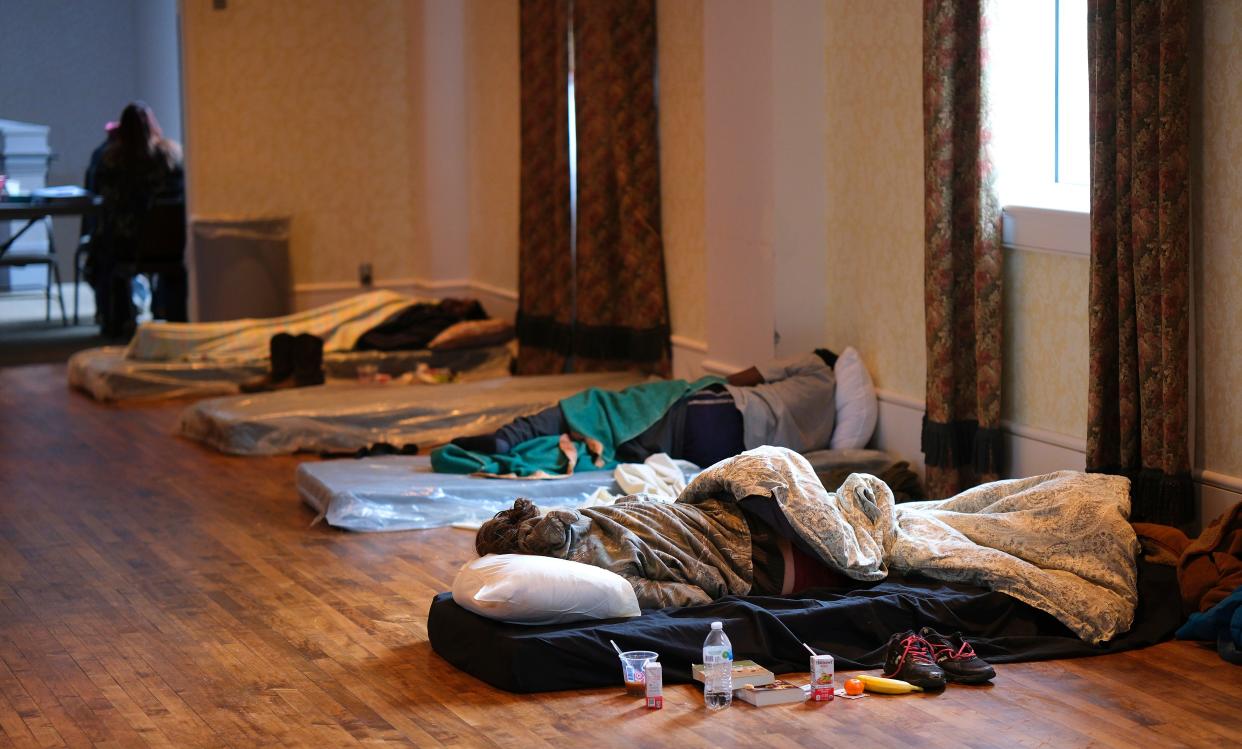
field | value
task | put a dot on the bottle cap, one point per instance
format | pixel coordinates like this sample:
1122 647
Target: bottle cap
717 625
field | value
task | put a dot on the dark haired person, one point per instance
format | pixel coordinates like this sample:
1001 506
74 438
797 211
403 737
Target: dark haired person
725 535
136 166
787 403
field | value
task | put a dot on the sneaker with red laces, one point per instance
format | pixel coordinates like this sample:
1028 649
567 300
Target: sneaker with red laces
908 657
957 658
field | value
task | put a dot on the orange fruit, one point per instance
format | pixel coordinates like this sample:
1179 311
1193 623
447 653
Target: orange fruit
853 686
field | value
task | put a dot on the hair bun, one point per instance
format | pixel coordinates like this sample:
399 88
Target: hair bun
549 534
500 534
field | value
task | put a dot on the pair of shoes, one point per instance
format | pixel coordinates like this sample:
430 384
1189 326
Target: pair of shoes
928 659
908 657
294 361
957 658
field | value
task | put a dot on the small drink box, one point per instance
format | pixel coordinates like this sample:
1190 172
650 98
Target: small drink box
655 685
822 688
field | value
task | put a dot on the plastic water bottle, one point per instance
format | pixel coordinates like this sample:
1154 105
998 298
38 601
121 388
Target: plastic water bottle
717 669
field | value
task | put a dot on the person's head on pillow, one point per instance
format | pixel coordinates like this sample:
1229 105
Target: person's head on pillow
523 530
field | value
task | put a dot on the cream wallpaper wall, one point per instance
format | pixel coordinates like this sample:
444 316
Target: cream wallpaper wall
301 108
875 189
1218 307
875 219
680 32
494 109
1045 341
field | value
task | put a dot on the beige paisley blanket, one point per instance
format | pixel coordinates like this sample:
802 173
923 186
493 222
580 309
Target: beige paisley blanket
1060 542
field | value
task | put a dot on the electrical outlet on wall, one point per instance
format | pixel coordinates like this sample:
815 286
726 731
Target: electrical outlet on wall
365 278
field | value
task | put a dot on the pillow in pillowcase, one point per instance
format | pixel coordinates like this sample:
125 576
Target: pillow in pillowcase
528 589
471 333
856 406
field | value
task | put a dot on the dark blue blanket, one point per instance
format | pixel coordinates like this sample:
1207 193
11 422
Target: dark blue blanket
852 625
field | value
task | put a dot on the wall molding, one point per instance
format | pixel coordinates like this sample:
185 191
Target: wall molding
1056 439
1031 451
717 367
689 344
1218 480
497 291
1217 493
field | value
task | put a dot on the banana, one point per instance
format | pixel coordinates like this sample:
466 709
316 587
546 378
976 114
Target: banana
880 685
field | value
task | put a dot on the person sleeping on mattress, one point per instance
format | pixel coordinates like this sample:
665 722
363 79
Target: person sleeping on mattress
763 523
787 403
672 554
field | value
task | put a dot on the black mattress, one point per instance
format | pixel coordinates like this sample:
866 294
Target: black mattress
852 625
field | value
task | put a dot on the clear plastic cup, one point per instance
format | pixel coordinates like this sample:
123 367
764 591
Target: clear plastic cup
632 664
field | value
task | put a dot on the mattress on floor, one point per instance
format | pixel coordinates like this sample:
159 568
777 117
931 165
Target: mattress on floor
396 493
852 626
340 418
107 375
400 493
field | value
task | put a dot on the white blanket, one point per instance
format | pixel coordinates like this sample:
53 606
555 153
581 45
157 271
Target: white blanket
1060 542
340 325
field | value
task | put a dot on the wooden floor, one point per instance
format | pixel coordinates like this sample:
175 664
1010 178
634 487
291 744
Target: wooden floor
155 593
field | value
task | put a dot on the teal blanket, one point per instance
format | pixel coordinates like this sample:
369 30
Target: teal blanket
605 418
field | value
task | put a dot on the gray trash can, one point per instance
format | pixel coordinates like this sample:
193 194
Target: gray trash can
241 267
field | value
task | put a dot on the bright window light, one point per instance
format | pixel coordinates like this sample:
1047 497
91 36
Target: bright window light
1037 95
1073 115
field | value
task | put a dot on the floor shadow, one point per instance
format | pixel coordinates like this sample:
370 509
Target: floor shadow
44 342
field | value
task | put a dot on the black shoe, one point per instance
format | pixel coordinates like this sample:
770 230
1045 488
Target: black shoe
957 658
280 367
307 360
280 362
908 657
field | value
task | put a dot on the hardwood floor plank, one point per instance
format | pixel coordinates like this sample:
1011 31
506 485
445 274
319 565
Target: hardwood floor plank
153 592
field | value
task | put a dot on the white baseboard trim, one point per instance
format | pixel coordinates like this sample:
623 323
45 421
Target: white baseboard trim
689 344
1217 493
1218 480
499 302
1030 451
688 356
496 291
899 428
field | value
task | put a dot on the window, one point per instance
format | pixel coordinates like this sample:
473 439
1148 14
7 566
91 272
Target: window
1038 106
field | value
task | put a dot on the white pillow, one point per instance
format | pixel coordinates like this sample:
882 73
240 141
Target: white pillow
857 409
528 589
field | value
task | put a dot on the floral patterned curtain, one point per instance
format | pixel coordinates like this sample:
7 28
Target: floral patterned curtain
605 305
622 298
545 270
962 255
1138 402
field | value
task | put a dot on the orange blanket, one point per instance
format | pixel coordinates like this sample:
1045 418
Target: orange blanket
1211 566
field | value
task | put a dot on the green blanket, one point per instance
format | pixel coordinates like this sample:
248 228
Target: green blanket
605 417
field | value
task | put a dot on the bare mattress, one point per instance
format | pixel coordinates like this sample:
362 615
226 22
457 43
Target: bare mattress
347 418
107 375
394 493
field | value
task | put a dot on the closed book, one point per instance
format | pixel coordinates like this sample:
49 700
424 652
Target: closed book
779 692
744 672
